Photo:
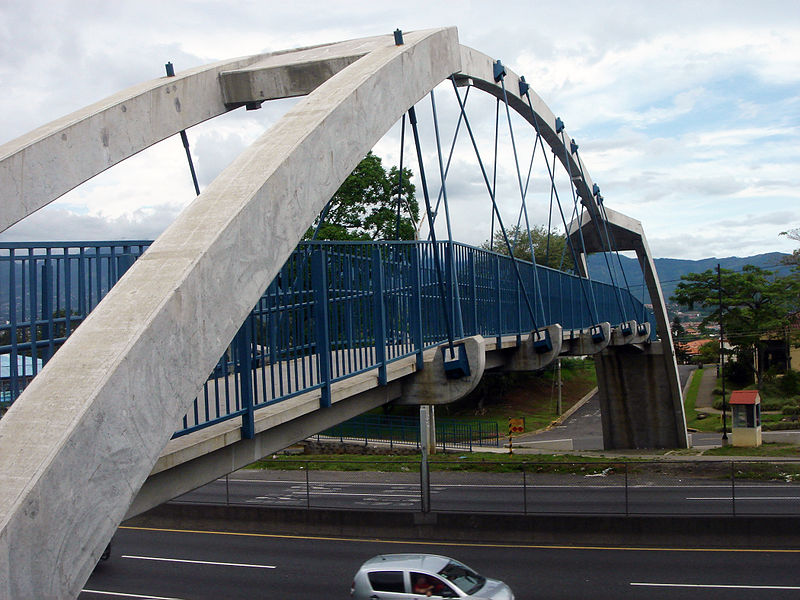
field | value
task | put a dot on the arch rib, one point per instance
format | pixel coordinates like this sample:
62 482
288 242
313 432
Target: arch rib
141 356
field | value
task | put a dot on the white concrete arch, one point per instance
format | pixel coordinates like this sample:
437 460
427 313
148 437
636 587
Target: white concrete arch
78 443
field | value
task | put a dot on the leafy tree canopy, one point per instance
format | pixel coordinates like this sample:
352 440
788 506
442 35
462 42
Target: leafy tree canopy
365 205
754 302
794 257
550 251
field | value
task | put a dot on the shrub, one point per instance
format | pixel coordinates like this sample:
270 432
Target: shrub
789 384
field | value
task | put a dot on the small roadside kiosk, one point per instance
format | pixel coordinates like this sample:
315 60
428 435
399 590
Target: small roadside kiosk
746 422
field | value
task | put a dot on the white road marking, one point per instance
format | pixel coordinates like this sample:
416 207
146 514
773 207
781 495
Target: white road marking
199 562
740 498
121 595
719 585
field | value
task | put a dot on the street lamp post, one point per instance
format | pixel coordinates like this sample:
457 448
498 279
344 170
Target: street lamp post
722 359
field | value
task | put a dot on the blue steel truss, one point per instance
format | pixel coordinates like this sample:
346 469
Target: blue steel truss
334 310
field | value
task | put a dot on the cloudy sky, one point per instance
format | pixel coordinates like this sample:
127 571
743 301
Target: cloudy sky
687 114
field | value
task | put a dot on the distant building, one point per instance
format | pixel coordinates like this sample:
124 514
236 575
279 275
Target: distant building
779 349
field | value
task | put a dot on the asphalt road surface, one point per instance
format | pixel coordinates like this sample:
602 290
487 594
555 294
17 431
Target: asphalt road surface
598 492
198 566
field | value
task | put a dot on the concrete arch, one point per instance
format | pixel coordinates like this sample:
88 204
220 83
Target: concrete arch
79 442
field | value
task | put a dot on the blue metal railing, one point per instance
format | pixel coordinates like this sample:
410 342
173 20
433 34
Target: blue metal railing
334 310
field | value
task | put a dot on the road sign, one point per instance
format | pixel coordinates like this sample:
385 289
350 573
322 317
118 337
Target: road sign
516 425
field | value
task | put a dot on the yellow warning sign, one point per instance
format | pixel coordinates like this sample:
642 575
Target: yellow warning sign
516 425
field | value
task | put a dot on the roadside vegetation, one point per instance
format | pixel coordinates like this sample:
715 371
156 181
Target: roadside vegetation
479 462
780 402
531 396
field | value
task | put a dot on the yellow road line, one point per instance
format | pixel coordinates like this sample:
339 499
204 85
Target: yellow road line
463 544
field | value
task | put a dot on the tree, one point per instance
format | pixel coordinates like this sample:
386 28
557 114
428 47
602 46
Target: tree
552 252
794 257
754 302
365 206
678 335
708 353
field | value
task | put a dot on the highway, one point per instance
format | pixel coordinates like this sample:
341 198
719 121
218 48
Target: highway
593 493
202 565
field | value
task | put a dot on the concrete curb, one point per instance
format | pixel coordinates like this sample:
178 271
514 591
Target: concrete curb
738 532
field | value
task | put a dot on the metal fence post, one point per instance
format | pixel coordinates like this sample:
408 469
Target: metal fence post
308 488
627 507
524 490
733 489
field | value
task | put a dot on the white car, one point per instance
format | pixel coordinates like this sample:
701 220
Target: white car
417 576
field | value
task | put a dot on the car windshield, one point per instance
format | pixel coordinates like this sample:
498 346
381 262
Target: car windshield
462 576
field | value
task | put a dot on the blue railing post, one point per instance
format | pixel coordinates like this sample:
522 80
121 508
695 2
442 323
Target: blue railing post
33 334
416 306
519 311
244 369
12 309
379 313
498 300
47 307
319 282
474 293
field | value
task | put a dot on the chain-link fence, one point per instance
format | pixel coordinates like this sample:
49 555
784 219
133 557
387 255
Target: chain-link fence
587 488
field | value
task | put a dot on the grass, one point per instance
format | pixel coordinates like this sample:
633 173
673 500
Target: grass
711 422
767 449
532 396
483 462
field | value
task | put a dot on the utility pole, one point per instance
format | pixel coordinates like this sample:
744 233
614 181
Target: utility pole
425 439
722 360
558 370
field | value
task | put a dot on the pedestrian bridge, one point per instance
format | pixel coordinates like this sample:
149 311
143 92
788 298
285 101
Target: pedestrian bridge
136 406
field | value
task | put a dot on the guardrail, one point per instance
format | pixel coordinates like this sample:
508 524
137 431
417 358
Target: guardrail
691 488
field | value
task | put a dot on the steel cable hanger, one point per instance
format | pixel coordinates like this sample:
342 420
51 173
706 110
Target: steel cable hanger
489 187
524 89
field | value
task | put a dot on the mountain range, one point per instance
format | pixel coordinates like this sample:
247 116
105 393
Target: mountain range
670 270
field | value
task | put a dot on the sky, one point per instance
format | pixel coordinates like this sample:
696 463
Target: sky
687 114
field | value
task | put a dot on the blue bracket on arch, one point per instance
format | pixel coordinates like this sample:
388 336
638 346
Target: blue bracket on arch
641 328
573 146
625 329
499 70
559 125
458 366
523 86
597 333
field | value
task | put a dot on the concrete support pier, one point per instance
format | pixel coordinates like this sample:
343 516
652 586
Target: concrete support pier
637 404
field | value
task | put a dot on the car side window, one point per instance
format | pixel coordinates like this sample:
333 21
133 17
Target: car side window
387 581
428 585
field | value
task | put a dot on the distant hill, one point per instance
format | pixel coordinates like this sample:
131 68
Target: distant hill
670 270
